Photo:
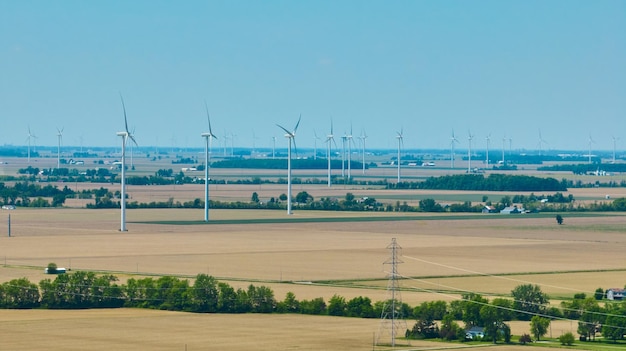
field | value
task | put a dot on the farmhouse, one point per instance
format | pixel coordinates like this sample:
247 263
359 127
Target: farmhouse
512 210
615 294
489 209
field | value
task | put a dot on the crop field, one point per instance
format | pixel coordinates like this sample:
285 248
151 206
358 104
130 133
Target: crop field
312 254
318 257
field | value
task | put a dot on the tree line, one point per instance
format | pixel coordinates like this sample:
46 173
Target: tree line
493 182
433 319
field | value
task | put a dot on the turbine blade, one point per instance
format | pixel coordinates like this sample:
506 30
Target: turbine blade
125 119
297 124
286 131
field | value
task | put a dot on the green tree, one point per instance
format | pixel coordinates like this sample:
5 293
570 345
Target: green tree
289 305
539 326
614 326
559 219
204 294
450 330
429 205
529 300
360 307
303 197
255 197
599 294
261 299
472 303
337 306
19 293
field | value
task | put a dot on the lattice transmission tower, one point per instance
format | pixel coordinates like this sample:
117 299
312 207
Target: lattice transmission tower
392 320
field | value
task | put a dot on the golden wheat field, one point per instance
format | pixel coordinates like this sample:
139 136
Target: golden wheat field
441 258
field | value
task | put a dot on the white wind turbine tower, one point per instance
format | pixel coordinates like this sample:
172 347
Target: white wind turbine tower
292 139
614 147
208 136
470 137
541 142
350 142
344 137
60 138
125 135
29 137
363 137
315 139
503 147
400 138
590 142
488 138
329 138
453 140
273 147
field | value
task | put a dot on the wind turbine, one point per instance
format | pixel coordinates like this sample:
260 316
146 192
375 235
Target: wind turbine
125 135
273 147
614 147
344 137
488 138
208 138
29 137
400 138
503 146
329 138
590 142
453 140
541 142
315 139
363 137
60 138
292 138
350 142
470 137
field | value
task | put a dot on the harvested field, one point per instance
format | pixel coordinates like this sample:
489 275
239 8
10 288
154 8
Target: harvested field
441 259
123 329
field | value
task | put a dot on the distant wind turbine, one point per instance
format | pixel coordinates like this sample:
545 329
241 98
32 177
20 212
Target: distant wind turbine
470 137
60 138
292 139
350 142
503 147
591 141
614 147
453 140
363 137
29 137
541 142
315 139
400 138
208 136
125 136
330 138
344 138
488 138
273 147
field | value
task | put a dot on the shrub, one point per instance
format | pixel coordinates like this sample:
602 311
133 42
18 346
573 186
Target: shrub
567 339
524 339
52 267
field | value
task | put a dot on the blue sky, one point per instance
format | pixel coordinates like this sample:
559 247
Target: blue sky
505 68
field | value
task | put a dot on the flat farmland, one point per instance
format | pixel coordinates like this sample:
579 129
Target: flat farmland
313 254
